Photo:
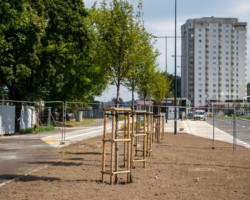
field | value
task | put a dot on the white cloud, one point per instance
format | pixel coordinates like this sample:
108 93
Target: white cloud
241 9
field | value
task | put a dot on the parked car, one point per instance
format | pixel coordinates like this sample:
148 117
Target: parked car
199 115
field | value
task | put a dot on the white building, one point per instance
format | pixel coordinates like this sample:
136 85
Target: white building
213 60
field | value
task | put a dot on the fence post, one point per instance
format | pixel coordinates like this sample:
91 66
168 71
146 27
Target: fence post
213 125
62 139
234 132
65 114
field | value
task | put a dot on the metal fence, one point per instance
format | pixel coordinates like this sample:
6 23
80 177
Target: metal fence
75 121
28 116
220 128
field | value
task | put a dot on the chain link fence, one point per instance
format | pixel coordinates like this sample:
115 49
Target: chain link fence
25 117
206 127
184 126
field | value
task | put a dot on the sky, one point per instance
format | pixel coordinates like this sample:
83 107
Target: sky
159 21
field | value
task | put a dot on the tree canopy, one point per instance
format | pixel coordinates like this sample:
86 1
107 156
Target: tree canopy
59 50
47 52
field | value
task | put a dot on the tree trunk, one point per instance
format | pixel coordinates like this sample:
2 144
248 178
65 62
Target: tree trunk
118 94
133 99
18 105
144 98
17 116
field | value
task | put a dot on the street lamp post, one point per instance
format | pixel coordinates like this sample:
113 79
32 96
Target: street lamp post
175 96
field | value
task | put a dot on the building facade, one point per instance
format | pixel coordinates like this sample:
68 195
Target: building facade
213 60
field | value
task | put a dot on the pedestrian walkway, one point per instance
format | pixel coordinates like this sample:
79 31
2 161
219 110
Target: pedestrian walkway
205 130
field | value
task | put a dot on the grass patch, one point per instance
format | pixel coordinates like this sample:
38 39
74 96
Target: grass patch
84 121
40 129
242 117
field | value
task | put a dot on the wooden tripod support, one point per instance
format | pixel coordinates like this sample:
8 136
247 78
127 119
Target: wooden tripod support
113 140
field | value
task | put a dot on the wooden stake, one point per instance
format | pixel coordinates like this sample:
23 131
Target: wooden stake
128 152
104 146
112 148
144 142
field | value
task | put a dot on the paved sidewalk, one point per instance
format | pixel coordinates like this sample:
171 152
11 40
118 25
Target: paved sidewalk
205 130
77 134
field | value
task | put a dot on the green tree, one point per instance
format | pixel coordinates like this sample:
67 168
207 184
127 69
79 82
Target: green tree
115 25
146 70
160 88
47 52
21 31
136 54
171 77
68 53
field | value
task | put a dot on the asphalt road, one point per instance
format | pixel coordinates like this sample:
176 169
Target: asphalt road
22 154
226 125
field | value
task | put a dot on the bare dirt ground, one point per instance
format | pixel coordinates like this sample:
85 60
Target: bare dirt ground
171 173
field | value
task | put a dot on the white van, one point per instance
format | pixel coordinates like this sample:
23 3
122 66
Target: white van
199 115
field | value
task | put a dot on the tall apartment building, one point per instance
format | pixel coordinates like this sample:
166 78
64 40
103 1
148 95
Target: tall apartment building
213 60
